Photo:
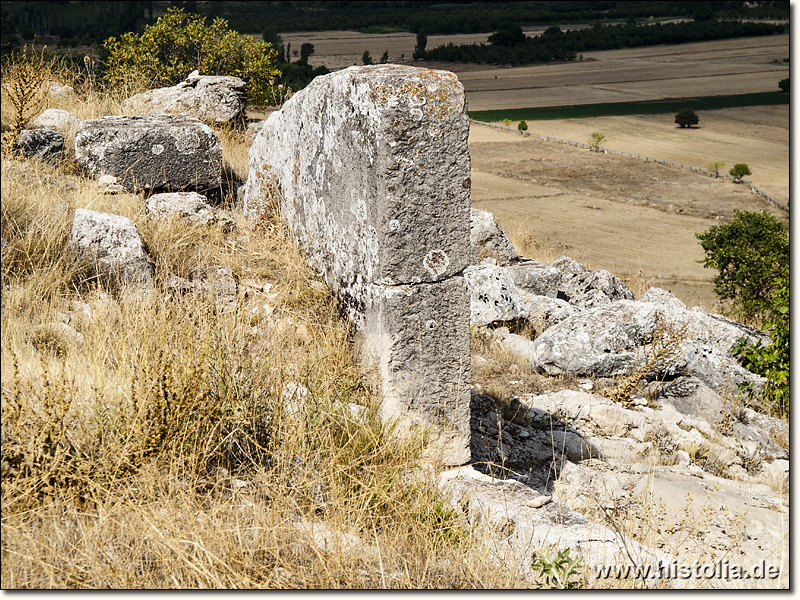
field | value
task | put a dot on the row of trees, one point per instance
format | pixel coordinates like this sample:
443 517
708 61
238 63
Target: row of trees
510 46
92 21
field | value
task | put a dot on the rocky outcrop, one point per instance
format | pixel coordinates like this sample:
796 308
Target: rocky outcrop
156 152
612 339
212 99
493 296
537 278
57 120
370 168
113 243
488 240
585 288
60 91
41 143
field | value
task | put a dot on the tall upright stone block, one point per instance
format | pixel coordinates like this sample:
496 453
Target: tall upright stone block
371 170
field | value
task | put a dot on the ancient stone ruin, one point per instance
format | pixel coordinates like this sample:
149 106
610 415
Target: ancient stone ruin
370 168
154 152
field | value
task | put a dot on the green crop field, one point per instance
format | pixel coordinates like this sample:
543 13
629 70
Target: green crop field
647 107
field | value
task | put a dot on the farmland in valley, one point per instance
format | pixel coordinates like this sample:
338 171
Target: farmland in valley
633 218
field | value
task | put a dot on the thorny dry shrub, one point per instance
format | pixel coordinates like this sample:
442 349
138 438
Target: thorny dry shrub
168 440
24 87
654 356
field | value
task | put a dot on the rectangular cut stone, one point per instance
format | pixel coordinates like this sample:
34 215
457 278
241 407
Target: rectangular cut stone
372 171
153 152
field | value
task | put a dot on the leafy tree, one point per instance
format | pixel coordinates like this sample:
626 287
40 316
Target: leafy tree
687 118
784 84
523 126
422 42
738 171
385 57
306 50
772 360
751 254
366 58
508 35
507 122
595 140
180 42
271 36
715 166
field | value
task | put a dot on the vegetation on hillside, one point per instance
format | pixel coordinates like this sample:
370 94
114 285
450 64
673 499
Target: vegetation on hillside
751 255
179 43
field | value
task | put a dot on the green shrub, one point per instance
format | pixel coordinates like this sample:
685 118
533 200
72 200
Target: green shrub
772 361
739 170
180 42
784 84
751 254
687 118
523 126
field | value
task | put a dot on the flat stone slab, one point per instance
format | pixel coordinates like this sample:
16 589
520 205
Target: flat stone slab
155 152
370 168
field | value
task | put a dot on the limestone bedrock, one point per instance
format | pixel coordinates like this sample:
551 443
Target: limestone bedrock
370 168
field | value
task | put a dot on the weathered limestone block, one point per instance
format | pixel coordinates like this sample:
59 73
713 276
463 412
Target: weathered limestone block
493 295
488 240
114 243
609 340
371 169
155 152
585 288
41 143
211 98
536 278
57 120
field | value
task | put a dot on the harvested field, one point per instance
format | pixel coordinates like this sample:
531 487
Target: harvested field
737 66
633 218
757 136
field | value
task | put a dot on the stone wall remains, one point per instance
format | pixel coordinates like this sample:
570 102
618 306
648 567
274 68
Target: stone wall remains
371 170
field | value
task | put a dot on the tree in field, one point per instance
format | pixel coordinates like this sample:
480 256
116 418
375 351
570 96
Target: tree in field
738 171
784 84
523 126
180 42
715 166
366 58
687 118
306 50
422 42
385 57
751 254
595 140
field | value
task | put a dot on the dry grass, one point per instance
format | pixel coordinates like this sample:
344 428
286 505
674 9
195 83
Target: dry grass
168 441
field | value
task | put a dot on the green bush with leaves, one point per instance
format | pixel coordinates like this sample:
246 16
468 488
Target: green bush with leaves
179 43
751 254
523 126
772 361
687 118
739 170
